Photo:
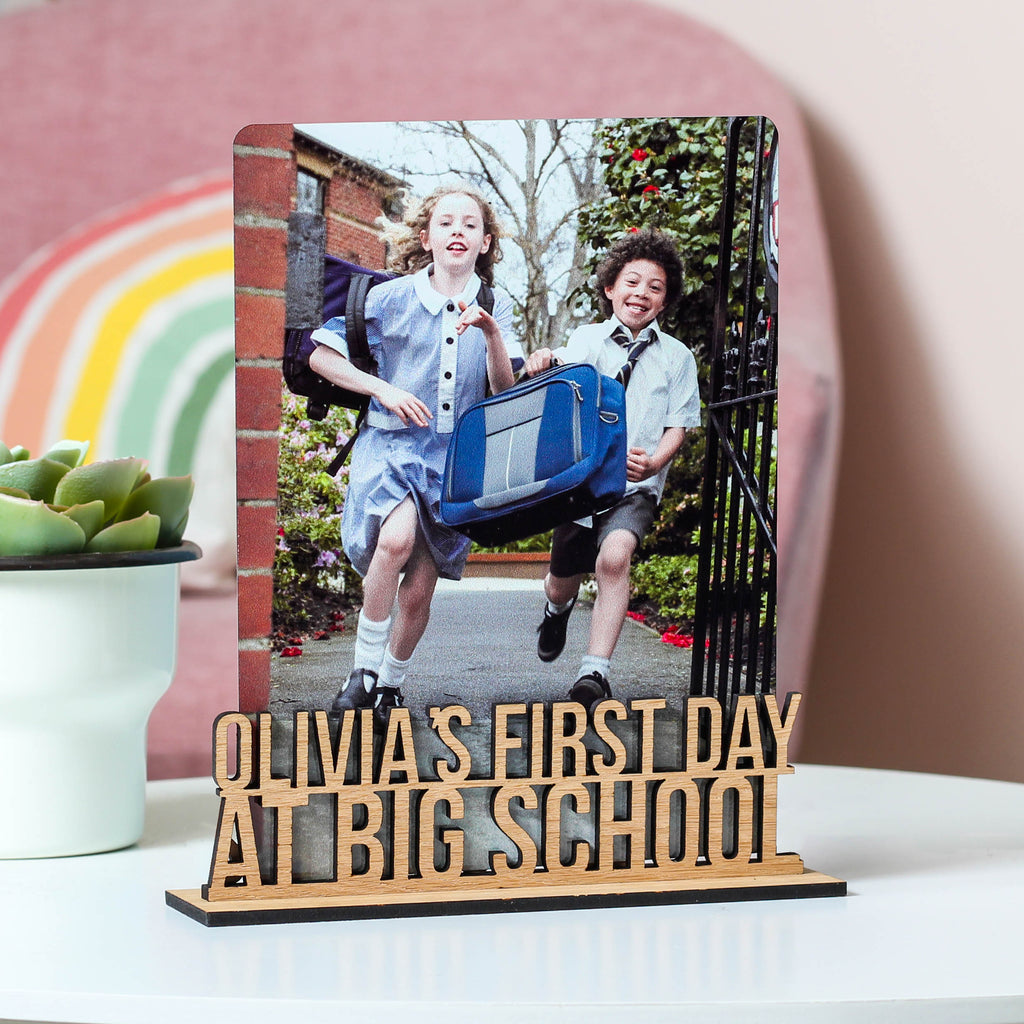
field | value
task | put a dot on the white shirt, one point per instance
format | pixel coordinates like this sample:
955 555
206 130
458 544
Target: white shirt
662 390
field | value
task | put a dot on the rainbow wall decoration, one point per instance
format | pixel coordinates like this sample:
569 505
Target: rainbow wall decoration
122 332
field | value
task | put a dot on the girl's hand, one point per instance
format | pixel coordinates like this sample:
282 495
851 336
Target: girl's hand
638 465
499 366
404 405
475 316
537 362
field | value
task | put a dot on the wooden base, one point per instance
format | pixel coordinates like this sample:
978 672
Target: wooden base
492 901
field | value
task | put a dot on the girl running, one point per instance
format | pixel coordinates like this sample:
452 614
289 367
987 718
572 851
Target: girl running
436 352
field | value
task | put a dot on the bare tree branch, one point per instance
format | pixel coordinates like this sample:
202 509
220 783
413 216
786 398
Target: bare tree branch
539 177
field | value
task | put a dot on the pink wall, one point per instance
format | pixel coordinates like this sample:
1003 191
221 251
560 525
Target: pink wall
118 100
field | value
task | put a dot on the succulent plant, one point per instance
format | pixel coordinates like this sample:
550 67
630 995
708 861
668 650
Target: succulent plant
56 504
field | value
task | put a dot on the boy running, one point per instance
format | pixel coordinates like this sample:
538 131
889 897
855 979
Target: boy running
640 278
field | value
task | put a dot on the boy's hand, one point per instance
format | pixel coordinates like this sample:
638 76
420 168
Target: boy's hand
537 362
638 465
404 405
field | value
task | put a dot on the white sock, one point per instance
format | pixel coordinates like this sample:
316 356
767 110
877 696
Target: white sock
591 663
557 609
392 671
371 641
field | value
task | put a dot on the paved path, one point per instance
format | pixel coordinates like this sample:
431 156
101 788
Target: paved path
480 649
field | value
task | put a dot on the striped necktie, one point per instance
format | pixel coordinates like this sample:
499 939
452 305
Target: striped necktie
634 350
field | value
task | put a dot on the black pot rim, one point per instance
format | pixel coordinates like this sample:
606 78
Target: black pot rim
187 551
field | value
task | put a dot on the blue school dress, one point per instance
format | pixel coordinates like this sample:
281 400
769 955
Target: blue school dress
410 329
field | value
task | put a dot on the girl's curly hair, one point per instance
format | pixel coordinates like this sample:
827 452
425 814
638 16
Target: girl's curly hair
406 254
647 244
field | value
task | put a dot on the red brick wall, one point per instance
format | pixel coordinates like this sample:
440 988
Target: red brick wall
352 207
264 168
264 171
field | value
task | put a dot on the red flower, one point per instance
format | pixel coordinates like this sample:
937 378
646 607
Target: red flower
296 640
651 188
291 652
636 616
639 154
337 616
320 634
634 231
337 627
677 639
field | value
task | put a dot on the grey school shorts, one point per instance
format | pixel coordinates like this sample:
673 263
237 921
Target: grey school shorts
574 548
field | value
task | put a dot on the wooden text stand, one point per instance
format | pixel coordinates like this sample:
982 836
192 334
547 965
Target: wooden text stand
566 815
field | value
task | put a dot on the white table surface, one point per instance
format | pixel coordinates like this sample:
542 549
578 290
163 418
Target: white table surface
932 930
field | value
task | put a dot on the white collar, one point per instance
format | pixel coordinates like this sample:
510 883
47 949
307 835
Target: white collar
615 324
433 300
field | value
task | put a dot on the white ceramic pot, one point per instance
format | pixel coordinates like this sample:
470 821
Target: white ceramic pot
89 645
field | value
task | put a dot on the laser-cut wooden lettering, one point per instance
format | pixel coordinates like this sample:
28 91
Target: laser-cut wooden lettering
569 804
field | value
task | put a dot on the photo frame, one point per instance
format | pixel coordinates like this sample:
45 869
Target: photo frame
489 788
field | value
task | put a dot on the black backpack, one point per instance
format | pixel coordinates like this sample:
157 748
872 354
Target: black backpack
345 288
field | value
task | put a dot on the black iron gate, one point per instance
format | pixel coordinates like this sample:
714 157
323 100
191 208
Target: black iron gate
735 623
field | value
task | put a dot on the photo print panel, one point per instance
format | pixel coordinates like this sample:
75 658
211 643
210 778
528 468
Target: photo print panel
507 446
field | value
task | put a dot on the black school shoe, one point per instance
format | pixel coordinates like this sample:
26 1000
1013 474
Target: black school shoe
385 698
589 689
551 640
354 695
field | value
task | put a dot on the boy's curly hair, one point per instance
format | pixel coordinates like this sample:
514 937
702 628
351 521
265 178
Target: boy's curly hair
646 244
406 254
